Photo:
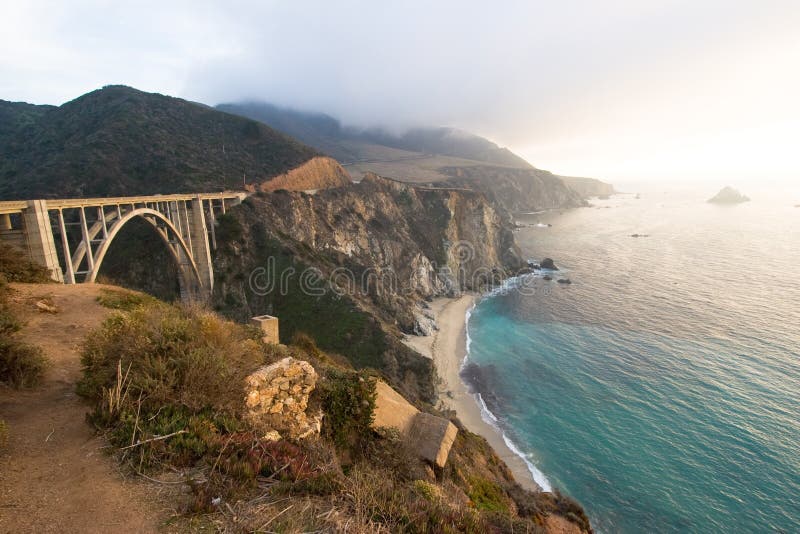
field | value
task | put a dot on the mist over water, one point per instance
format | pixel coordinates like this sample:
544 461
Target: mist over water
662 388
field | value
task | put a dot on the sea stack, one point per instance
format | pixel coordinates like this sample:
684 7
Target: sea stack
548 264
729 195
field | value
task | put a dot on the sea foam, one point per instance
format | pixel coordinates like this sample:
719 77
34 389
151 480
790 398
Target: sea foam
487 415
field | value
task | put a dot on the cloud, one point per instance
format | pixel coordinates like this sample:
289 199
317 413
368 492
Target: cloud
563 82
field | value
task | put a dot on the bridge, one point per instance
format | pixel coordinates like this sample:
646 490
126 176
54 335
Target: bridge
70 238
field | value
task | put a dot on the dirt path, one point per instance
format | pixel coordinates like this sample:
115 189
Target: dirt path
54 476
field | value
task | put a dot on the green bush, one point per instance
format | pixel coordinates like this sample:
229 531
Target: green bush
167 355
118 299
167 383
348 400
487 495
21 365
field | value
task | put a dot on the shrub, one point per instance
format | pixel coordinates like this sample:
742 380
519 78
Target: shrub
21 365
123 300
167 355
15 267
306 343
348 400
487 495
167 383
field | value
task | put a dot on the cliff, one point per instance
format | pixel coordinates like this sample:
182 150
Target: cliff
588 187
352 266
516 190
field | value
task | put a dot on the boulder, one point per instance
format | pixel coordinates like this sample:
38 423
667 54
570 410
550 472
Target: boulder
276 400
549 264
564 281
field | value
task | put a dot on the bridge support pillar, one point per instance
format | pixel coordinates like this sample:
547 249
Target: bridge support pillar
201 249
5 221
39 238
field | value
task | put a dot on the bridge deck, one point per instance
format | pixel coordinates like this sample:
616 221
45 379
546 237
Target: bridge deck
17 206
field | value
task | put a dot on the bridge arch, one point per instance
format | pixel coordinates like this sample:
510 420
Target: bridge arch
185 222
170 236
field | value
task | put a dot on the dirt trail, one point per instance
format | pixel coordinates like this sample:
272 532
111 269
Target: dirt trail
54 475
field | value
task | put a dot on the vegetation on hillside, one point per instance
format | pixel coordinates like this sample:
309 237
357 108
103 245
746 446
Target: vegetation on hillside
21 364
166 386
120 141
337 323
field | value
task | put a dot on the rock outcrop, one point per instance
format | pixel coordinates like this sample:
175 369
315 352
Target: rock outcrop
549 264
728 195
317 173
276 400
400 244
516 190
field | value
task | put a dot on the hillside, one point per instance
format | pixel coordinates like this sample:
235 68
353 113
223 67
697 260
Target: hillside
516 190
121 141
430 156
588 187
402 156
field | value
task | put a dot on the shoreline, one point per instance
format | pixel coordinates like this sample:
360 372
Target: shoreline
447 347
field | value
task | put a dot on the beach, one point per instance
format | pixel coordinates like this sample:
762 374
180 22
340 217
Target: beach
447 348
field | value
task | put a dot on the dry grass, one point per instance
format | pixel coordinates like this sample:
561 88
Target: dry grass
166 382
171 355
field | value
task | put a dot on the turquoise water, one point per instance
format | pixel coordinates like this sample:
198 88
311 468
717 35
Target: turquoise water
662 388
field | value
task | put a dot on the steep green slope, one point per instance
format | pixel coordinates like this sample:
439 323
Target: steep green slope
121 141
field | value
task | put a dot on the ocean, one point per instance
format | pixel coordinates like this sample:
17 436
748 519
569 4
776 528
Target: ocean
661 389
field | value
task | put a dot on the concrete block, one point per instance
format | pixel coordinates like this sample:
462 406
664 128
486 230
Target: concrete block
269 326
430 436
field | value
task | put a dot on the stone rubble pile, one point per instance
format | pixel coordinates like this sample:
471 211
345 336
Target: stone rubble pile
276 400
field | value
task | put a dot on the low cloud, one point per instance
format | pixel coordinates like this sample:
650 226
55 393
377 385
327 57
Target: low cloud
545 78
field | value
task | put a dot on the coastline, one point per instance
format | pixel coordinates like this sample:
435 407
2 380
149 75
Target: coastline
447 348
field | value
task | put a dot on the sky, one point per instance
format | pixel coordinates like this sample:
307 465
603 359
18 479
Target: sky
619 89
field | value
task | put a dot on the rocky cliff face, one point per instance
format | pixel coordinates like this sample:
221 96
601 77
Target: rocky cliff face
516 190
399 243
353 266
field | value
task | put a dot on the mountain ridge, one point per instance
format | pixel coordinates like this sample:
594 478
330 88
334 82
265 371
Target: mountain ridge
121 141
437 155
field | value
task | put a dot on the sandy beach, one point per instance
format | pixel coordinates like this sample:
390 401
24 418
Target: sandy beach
447 347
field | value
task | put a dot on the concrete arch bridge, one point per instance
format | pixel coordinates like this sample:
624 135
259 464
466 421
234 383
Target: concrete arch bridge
71 237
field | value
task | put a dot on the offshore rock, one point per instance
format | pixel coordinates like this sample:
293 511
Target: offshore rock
729 195
549 264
